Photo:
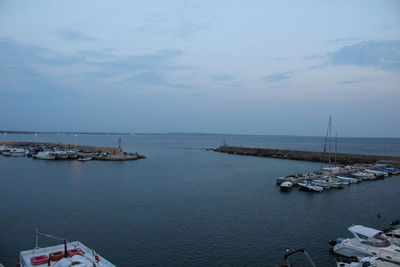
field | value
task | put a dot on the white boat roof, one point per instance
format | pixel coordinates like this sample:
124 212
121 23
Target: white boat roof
359 229
87 260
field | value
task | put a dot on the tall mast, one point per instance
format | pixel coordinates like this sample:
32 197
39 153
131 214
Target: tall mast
329 138
336 149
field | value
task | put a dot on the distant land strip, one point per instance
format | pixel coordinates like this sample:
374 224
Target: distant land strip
343 158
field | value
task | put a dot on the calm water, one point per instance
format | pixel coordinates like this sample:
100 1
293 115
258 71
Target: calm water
184 205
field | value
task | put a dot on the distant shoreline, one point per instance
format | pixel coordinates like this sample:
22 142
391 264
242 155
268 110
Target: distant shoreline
180 133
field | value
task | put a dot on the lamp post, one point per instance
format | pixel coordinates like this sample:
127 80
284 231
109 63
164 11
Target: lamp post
75 142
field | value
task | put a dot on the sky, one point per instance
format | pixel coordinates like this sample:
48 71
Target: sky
237 67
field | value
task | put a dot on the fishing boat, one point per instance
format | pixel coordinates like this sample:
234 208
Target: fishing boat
85 159
44 155
63 255
367 242
309 187
286 186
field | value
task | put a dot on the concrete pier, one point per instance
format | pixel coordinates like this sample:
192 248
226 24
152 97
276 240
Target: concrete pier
342 158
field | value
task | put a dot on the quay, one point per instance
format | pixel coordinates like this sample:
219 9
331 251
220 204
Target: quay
96 152
342 158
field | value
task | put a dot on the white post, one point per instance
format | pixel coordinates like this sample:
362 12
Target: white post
75 142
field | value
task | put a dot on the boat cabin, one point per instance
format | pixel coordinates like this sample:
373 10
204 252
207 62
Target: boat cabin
369 236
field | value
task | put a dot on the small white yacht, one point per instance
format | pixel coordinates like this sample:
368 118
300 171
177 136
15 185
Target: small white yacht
367 261
61 154
45 155
367 242
64 255
365 175
286 186
309 187
17 152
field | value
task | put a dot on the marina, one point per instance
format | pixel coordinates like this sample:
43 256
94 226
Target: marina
54 151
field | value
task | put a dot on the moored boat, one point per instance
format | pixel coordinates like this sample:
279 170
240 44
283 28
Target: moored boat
367 242
286 186
44 155
63 255
309 187
85 159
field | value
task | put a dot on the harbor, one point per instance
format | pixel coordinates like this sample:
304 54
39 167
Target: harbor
59 151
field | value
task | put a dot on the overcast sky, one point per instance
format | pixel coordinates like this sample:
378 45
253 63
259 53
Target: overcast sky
240 67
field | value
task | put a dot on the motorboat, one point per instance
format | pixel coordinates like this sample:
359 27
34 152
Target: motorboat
85 158
366 261
342 181
378 174
310 187
286 186
350 179
17 152
72 154
64 255
367 242
327 184
365 175
44 155
60 154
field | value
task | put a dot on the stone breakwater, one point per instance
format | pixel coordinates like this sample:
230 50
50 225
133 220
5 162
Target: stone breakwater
342 158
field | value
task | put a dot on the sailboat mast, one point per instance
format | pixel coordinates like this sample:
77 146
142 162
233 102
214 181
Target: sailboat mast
329 138
336 150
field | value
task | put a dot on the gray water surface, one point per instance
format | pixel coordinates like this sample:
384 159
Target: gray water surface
184 205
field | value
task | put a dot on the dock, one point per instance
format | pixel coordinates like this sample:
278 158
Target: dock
341 158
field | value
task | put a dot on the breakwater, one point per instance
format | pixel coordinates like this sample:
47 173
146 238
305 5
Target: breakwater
342 158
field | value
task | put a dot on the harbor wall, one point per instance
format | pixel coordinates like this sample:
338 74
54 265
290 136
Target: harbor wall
343 158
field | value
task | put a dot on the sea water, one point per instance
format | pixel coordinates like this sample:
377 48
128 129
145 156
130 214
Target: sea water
185 205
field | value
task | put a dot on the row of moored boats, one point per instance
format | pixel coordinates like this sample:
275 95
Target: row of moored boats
336 177
42 153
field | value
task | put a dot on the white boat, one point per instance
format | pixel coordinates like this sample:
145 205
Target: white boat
17 152
72 154
45 155
60 154
367 242
377 173
365 175
342 181
286 186
327 184
64 255
349 179
85 159
367 261
310 187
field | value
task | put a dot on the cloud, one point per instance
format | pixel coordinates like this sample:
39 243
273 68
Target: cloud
384 54
226 79
277 77
70 35
353 81
35 64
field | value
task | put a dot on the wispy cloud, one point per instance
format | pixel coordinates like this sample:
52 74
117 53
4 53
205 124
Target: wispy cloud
277 77
346 82
18 59
71 35
226 79
384 54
